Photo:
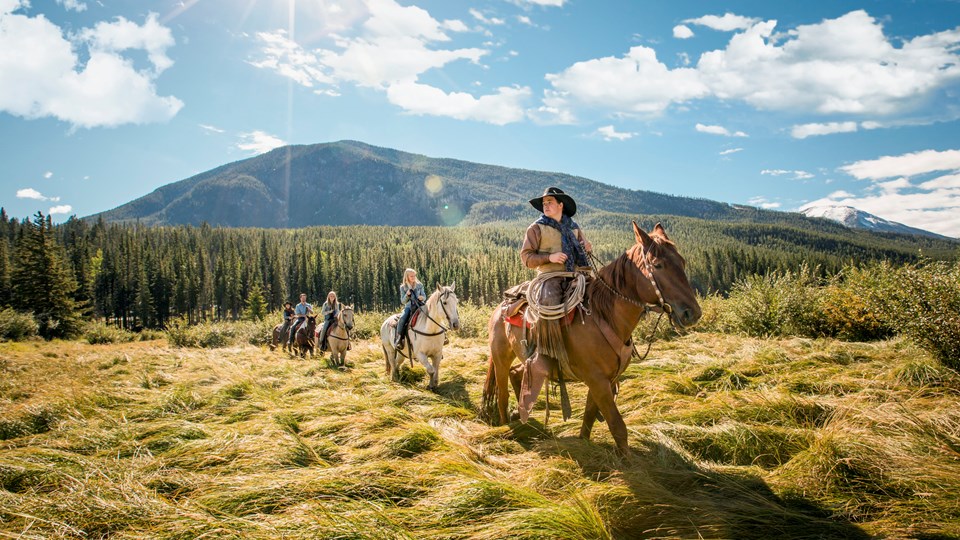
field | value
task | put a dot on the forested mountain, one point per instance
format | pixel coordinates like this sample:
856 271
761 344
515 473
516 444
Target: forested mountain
138 275
352 183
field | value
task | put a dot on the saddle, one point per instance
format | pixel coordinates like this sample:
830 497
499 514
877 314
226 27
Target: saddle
515 315
395 319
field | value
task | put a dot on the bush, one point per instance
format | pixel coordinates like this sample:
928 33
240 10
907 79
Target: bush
99 333
16 326
775 304
219 334
923 303
366 324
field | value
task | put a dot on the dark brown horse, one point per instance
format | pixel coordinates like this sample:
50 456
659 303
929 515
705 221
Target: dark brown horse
304 340
649 275
279 336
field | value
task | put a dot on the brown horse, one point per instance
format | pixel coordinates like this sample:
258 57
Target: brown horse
649 275
304 340
279 337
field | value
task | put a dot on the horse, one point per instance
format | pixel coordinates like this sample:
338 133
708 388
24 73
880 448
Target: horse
425 335
304 340
338 336
648 275
279 337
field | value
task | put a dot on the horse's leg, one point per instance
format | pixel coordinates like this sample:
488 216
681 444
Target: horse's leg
501 356
425 360
589 416
435 378
602 394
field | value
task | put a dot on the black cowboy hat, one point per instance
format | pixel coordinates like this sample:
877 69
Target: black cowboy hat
288 303
569 205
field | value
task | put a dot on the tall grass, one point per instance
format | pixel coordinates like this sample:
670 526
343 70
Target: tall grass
141 439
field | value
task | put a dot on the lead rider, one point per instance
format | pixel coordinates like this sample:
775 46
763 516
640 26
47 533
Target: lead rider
553 243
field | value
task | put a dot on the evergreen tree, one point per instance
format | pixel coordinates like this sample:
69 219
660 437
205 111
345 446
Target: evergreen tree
256 305
41 283
4 272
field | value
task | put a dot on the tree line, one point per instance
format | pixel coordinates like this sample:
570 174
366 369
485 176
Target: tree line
138 276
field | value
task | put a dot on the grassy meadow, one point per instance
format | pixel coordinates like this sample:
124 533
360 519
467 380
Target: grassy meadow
732 437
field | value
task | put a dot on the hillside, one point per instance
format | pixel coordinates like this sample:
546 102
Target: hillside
732 437
353 183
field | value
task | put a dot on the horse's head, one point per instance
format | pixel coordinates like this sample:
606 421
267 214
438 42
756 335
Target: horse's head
447 299
311 321
346 317
657 258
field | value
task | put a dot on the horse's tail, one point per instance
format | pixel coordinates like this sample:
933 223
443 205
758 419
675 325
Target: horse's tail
488 407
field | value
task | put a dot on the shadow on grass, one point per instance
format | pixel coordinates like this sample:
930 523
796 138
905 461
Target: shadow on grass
665 494
454 391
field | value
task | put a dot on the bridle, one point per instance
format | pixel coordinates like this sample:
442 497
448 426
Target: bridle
650 275
443 306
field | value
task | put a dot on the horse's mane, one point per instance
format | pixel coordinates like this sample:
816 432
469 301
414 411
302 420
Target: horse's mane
600 297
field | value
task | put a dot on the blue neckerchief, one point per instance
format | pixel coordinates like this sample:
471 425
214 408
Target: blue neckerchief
576 255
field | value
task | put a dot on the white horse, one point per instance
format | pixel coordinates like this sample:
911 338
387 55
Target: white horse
338 337
426 337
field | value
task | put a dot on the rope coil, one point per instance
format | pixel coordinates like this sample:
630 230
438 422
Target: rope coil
574 295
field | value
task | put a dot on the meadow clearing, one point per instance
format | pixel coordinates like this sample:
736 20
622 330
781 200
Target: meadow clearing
732 437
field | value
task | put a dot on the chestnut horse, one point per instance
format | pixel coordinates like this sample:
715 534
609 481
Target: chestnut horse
649 275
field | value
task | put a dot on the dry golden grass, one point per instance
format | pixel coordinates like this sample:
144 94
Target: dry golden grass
733 438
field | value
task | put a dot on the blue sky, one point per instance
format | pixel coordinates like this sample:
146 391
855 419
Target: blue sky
771 104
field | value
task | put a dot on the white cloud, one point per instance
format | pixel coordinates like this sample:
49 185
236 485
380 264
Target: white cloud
211 129
797 175
845 65
609 133
636 83
730 151
501 108
61 209
724 23
523 19
911 164
45 76
73 5
762 202
478 15
681 31
48 175
393 47
546 3
803 131
893 186
719 130
30 193
258 142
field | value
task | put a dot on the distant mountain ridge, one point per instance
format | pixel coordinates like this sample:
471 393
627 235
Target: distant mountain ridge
858 219
354 183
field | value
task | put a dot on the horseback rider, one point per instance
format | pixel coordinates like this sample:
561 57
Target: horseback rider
554 243
329 311
412 297
287 318
301 311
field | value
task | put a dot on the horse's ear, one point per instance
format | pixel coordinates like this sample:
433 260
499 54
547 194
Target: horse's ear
438 287
642 237
660 230
453 286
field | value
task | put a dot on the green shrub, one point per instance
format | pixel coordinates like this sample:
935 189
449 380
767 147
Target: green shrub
98 333
16 326
775 304
922 302
366 324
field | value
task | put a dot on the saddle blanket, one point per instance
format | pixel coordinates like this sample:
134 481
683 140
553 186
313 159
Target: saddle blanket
517 318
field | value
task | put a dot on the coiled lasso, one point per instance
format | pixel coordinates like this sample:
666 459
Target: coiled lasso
574 296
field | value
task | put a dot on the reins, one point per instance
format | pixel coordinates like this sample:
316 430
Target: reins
426 313
663 305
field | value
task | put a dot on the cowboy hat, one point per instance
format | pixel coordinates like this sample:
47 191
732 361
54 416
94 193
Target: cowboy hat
569 205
